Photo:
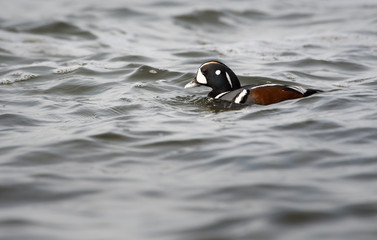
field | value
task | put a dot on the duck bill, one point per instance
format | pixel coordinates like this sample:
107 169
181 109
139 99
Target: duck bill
191 84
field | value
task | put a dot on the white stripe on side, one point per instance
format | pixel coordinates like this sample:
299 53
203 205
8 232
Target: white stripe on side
241 96
296 88
267 85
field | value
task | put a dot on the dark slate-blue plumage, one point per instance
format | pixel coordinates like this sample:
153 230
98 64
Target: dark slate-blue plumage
226 86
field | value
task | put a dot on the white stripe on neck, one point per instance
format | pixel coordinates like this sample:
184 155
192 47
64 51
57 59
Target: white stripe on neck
229 80
220 95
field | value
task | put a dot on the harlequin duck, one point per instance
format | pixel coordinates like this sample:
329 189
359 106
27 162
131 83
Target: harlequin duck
225 86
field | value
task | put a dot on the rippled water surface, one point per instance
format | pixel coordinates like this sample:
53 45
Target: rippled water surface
99 140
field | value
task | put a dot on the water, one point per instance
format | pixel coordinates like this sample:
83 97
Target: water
99 140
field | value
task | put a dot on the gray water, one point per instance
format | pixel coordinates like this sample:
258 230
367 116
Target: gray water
99 140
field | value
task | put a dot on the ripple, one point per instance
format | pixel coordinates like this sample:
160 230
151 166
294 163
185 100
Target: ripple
294 16
309 125
316 63
251 14
366 209
16 194
298 218
148 73
73 89
12 120
57 29
192 54
110 136
123 12
132 59
204 18
365 176
311 76
34 158
260 191
218 229
16 222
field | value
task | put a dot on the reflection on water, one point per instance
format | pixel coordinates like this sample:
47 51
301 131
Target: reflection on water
99 140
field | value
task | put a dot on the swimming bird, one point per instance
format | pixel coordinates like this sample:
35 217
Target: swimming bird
226 87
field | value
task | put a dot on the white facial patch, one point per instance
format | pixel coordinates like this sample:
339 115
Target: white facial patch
229 80
218 72
200 78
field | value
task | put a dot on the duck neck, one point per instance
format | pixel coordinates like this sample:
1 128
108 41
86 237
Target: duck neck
213 94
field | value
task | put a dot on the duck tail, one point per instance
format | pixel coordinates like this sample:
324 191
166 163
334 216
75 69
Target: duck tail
311 92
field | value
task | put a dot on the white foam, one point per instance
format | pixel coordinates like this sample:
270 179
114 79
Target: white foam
17 77
68 69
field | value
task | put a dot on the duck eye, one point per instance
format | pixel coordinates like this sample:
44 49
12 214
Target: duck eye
218 72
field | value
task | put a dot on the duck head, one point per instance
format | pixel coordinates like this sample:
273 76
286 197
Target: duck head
216 75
